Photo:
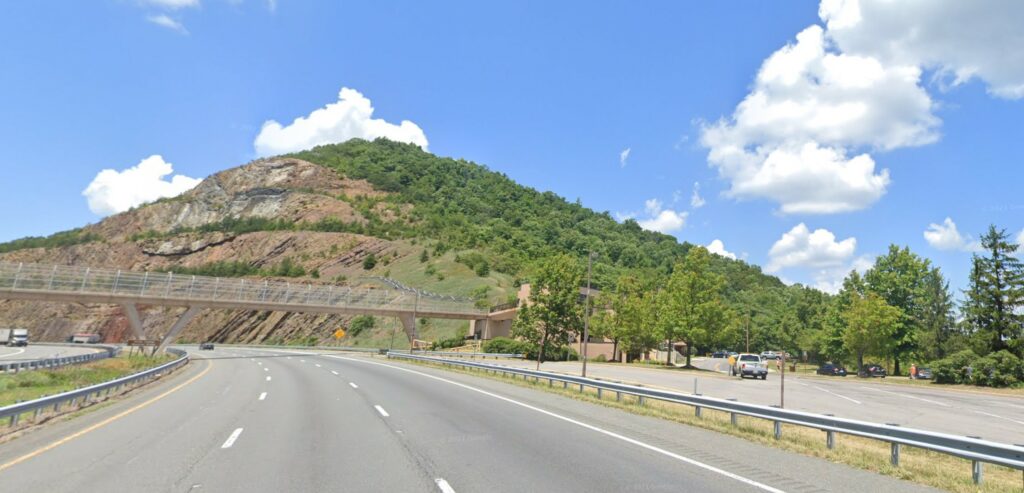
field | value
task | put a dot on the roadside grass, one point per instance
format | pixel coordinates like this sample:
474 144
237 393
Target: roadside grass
33 384
916 465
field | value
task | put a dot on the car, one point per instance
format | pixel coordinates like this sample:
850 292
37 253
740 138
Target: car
719 354
769 355
206 346
872 371
831 370
925 374
749 364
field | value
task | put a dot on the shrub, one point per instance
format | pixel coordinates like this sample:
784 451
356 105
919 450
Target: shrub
449 343
369 262
600 358
999 369
504 345
359 324
953 369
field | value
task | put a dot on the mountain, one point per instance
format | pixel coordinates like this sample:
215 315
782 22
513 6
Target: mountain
344 214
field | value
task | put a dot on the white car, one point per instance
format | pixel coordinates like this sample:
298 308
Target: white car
749 364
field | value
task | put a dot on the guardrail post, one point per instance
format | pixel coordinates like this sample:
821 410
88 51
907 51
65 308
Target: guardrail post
581 388
696 411
565 384
976 471
640 400
14 419
551 382
830 439
618 396
894 454
778 430
599 392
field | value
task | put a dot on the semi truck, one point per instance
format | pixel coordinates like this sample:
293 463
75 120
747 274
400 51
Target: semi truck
14 337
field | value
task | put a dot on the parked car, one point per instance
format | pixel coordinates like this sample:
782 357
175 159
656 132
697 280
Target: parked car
872 371
749 364
831 370
769 355
719 354
206 346
925 374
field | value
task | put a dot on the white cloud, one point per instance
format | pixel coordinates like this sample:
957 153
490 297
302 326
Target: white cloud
717 247
659 219
960 40
348 118
802 248
624 156
945 236
165 20
798 137
114 191
170 4
696 201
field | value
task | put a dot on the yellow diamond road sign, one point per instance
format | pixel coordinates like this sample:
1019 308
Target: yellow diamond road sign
338 334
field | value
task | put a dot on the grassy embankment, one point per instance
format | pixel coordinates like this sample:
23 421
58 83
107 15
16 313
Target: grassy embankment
28 385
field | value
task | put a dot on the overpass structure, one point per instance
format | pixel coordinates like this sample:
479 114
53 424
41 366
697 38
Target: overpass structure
79 284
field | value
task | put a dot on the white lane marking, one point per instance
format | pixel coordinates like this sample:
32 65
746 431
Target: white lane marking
353 385
231 439
289 357
19 351
266 369
1000 417
581 424
318 365
444 486
334 372
937 403
259 363
838 395
268 378
381 410
252 359
302 361
263 396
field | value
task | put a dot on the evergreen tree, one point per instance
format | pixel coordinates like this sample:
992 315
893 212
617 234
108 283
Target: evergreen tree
937 323
996 292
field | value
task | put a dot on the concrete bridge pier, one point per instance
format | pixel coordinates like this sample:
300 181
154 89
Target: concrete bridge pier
136 324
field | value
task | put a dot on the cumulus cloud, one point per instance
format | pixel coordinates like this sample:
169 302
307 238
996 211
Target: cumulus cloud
717 247
167 21
946 236
113 191
819 108
696 201
624 156
658 218
818 253
348 118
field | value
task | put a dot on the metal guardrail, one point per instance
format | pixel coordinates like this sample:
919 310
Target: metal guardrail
38 407
471 355
504 306
309 348
50 363
974 449
187 290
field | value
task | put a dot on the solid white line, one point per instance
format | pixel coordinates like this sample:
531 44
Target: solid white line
231 439
19 351
263 396
1000 417
334 372
353 385
581 424
838 395
937 403
381 411
268 378
444 486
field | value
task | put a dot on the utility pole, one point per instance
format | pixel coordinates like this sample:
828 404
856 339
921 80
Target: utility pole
748 334
586 315
782 388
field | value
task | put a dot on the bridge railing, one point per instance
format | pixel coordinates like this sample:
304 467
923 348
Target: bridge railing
62 278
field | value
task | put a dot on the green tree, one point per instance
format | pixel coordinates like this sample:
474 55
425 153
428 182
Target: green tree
359 324
692 308
937 323
555 310
900 278
625 315
423 256
871 324
996 292
369 262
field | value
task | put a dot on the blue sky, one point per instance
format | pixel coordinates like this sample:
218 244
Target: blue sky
552 93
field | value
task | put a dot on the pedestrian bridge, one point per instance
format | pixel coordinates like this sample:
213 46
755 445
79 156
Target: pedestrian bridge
79 284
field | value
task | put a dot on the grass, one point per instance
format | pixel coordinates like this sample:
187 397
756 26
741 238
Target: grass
917 465
28 385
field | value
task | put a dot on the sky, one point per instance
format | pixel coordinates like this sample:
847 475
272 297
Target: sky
801 136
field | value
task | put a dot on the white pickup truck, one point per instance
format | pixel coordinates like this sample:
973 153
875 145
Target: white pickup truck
749 364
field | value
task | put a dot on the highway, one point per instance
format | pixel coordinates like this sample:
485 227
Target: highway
972 413
273 420
35 351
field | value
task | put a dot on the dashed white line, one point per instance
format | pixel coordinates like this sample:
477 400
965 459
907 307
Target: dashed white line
581 424
231 439
268 378
259 363
318 365
353 385
334 372
302 361
263 396
266 369
381 410
444 486
838 395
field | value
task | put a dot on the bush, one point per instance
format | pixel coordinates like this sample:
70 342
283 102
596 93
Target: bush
369 262
600 358
953 369
449 343
359 324
504 345
999 369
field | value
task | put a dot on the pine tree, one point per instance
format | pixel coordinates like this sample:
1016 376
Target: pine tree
996 291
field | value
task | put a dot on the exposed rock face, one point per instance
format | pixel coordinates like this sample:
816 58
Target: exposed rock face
145 239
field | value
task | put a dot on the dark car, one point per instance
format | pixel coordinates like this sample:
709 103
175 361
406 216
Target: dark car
925 374
206 345
871 371
831 370
719 354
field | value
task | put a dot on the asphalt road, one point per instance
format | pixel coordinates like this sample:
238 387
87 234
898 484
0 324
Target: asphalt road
988 415
35 351
264 420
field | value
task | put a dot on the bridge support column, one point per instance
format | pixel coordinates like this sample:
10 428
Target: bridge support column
176 328
134 320
409 324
